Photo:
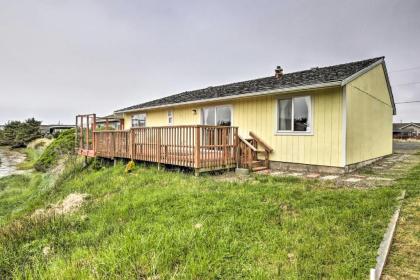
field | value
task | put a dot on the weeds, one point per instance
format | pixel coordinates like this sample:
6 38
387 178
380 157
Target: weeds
155 224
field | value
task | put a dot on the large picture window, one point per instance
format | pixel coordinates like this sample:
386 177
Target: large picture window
294 114
218 115
138 120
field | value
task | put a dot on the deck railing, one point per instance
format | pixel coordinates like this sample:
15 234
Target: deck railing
196 146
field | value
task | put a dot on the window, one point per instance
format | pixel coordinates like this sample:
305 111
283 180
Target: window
294 114
170 117
217 115
138 120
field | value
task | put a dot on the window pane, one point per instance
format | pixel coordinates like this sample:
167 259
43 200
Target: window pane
170 117
209 115
224 116
301 113
285 114
138 120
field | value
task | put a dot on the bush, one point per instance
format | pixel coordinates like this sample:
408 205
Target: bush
19 134
61 146
130 166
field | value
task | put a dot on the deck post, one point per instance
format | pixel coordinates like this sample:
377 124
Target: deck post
93 134
159 130
131 143
197 148
81 141
224 138
236 148
76 138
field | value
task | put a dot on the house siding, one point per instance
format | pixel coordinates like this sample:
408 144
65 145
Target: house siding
369 117
322 147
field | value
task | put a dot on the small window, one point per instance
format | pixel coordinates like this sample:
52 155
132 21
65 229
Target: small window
170 117
138 120
294 114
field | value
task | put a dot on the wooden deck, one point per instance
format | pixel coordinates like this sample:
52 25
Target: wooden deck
201 147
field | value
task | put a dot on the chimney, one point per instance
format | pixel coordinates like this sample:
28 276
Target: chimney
278 72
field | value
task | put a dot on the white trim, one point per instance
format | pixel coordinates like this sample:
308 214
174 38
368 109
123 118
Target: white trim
292 132
361 72
245 95
344 128
367 69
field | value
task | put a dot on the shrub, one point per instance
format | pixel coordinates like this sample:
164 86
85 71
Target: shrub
19 134
130 166
61 146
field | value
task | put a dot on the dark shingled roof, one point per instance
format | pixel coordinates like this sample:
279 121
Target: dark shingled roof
318 75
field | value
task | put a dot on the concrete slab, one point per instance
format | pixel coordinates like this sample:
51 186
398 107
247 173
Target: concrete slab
313 175
330 177
380 179
353 180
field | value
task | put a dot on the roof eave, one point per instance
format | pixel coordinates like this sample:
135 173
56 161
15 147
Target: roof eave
246 95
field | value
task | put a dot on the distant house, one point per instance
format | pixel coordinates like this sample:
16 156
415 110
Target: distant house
406 130
52 129
333 118
110 122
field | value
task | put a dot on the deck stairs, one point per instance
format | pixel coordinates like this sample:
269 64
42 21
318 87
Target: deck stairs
254 153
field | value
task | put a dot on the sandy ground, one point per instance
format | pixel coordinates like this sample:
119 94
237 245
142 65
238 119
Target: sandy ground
9 159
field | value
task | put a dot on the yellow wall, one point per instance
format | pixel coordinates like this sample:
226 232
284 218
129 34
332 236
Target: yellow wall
322 147
369 117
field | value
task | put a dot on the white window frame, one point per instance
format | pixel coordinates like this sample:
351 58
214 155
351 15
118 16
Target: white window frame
170 117
145 119
292 132
215 114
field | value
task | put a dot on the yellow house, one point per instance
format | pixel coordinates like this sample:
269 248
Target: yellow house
333 118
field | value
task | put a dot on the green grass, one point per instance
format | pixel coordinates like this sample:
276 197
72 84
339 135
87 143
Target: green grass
61 146
32 155
404 258
161 225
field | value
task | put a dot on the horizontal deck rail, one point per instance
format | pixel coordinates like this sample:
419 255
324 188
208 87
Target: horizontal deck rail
195 146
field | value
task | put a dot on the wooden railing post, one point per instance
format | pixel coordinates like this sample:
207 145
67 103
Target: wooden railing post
131 143
197 148
159 140
93 134
224 140
236 148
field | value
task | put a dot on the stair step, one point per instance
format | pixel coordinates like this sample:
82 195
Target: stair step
256 163
259 168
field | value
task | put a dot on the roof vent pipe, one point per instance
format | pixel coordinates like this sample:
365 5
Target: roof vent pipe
278 72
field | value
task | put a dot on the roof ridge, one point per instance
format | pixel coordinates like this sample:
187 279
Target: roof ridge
318 75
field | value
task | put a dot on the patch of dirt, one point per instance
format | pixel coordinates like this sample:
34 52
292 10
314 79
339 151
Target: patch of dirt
69 205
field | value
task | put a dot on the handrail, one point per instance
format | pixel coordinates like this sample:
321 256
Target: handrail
192 125
259 140
247 143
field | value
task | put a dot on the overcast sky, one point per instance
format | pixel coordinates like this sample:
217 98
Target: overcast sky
60 58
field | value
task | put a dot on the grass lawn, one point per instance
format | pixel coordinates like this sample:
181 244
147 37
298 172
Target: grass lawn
160 225
404 259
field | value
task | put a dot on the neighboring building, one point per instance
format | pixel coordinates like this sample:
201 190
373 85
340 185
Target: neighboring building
406 130
338 116
53 129
109 122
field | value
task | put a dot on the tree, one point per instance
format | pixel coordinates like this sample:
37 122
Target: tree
19 134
